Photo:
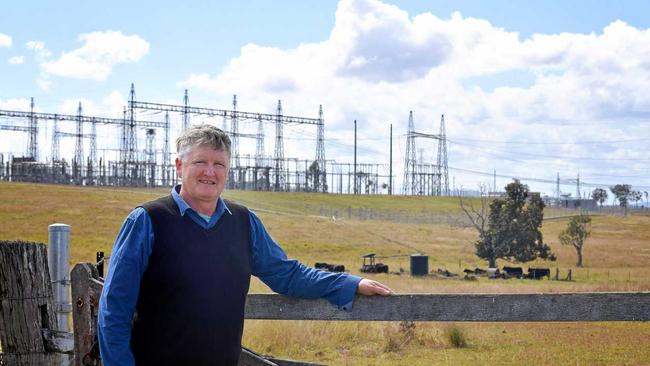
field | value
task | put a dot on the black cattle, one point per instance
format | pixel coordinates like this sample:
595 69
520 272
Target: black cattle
336 268
330 267
479 271
514 271
537 273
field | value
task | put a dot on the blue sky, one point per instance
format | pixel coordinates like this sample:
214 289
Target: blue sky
491 69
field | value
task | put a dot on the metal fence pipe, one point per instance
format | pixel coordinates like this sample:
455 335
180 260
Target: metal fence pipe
58 260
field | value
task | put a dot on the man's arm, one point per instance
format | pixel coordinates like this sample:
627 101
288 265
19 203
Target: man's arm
128 261
292 278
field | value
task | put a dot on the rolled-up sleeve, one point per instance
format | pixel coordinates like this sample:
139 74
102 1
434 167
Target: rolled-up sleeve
128 262
292 278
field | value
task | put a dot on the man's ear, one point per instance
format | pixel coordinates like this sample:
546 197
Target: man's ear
179 167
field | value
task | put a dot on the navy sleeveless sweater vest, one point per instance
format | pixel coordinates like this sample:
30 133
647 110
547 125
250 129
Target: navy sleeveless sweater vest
190 310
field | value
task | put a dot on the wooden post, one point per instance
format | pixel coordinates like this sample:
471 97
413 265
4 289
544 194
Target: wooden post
86 290
28 328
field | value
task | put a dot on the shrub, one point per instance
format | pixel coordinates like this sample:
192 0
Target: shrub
456 337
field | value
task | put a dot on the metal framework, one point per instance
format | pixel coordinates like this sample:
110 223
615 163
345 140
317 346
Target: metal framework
318 168
422 178
259 171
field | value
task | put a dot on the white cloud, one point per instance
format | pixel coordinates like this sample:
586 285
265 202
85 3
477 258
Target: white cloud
114 102
378 63
5 40
98 55
43 82
71 106
42 54
35 45
16 104
16 60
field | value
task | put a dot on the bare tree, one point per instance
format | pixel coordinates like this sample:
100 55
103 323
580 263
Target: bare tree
478 216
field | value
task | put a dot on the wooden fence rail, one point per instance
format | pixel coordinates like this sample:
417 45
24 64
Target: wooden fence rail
601 306
606 306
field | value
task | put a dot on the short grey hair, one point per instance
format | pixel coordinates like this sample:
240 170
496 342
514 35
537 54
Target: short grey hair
202 135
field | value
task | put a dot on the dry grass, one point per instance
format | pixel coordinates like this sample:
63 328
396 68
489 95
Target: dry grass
617 258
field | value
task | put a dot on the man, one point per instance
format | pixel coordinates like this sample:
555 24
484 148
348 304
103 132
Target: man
180 269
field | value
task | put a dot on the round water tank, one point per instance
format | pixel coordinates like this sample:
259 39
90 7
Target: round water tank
419 265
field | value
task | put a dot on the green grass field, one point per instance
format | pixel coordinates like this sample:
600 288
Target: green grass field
616 258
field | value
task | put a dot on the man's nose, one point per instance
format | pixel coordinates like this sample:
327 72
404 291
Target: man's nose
210 170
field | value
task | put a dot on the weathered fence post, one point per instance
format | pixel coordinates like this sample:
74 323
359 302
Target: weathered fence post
58 259
29 334
86 290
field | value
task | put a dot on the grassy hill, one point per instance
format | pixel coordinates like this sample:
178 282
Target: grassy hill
339 229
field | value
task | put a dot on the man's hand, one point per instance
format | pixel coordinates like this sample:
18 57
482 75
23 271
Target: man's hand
369 287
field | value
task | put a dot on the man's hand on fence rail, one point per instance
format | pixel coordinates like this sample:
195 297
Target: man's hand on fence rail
369 287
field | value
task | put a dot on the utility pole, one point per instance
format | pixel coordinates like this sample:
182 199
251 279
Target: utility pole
355 157
166 154
442 159
234 129
390 169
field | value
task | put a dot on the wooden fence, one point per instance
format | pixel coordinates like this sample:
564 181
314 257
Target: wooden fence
28 333
606 306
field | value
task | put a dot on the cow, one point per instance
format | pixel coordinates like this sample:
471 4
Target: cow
330 267
513 271
321 265
538 273
336 268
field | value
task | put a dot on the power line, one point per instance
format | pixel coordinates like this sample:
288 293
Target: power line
524 142
511 152
570 181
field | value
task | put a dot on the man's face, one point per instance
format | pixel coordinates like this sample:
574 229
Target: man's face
204 172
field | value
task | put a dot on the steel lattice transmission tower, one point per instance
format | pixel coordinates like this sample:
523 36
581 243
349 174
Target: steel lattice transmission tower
410 159
123 148
279 151
92 160
33 133
131 138
55 143
320 153
234 132
442 159
259 150
166 154
186 114
79 146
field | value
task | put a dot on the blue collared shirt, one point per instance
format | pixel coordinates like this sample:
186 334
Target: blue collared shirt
129 260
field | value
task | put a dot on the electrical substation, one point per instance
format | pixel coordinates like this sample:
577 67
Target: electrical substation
152 165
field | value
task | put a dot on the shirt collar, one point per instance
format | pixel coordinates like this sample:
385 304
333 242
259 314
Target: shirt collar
183 206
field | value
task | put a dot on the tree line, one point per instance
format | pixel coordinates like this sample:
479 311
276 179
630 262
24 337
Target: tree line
509 227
